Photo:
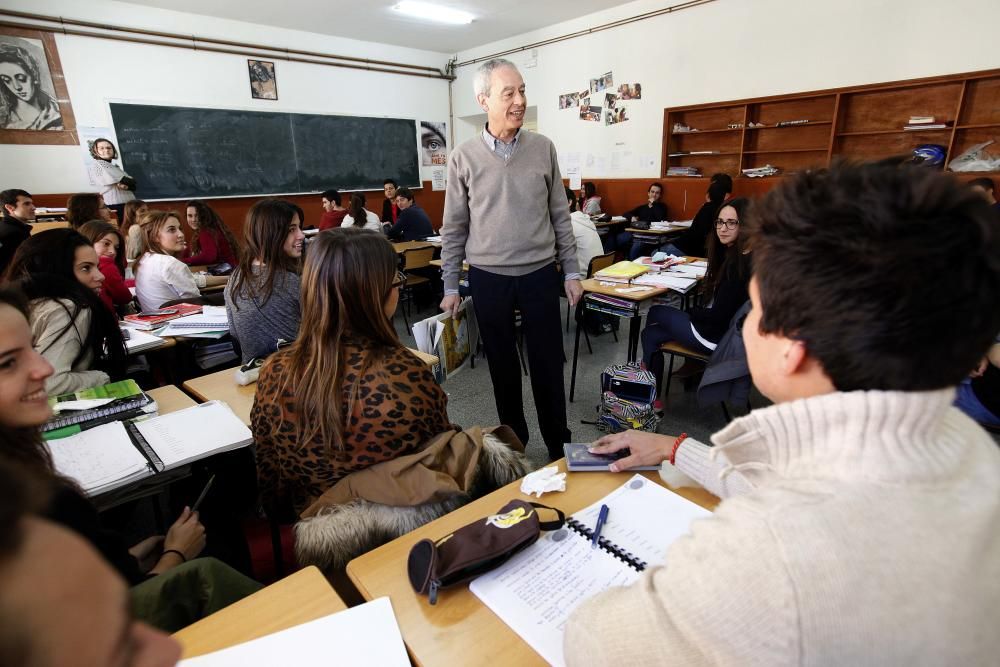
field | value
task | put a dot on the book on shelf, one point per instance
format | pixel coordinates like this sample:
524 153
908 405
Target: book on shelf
929 126
115 454
97 405
148 322
921 120
536 591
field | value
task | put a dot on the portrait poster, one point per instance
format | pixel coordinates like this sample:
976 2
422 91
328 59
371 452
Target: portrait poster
263 84
34 100
88 135
433 144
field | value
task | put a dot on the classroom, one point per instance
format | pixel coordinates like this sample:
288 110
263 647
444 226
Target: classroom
698 362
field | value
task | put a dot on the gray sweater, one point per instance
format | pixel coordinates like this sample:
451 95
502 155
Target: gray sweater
509 218
258 324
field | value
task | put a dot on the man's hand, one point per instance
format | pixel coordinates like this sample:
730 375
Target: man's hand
980 369
646 449
574 290
450 304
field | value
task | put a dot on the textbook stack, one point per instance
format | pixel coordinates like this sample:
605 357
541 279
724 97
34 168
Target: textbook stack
621 272
150 322
609 305
91 407
683 171
924 123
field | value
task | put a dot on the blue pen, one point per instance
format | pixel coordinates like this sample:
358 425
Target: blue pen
601 519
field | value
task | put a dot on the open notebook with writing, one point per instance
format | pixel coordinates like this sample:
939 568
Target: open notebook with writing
536 590
116 454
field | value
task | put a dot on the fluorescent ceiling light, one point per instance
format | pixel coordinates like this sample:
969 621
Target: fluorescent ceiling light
425 10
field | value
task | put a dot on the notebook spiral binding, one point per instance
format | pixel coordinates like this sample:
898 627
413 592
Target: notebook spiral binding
96 416
623 555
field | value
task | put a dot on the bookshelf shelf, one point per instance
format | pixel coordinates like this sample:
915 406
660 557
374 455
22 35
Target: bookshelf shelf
856 123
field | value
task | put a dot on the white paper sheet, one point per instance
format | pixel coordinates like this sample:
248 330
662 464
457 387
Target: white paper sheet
361 636
99 459
194 433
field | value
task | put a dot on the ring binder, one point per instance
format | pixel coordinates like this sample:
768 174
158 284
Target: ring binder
604 543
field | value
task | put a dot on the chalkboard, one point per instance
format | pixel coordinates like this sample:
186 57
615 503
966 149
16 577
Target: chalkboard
181 152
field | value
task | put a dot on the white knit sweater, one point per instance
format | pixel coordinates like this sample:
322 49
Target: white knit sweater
866 531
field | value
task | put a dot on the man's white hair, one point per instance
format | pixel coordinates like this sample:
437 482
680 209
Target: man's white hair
481 84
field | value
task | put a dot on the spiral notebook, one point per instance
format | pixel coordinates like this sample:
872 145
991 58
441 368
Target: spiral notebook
535 591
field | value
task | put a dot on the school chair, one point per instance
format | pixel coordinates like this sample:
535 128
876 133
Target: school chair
675 349
415 258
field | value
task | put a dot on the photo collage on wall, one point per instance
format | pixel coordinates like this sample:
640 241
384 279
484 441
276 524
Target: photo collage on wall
602 91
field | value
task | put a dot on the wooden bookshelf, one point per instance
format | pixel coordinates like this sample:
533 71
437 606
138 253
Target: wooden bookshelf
860 122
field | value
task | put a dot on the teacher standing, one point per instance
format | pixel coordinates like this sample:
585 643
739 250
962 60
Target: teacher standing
117 187
505 211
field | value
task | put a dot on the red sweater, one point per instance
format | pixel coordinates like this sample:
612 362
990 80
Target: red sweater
332 219
113 291
214 250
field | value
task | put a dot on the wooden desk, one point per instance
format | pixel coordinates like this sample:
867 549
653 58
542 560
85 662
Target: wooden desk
44 226
460 630
221 386
170 399
296 599
401 246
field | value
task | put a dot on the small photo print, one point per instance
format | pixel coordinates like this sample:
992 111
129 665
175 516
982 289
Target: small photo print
630 91
615 116
263 85
610 100
601 83
592 114
569 100
584 101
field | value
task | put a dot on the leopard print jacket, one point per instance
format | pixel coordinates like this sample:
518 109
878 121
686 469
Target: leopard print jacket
399 407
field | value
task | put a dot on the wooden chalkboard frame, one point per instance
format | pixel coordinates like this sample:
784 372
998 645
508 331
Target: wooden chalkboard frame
153 138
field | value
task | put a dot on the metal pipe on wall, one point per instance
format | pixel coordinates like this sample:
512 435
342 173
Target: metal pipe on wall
196 43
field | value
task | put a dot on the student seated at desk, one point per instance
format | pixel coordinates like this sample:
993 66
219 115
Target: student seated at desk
858 523
360 217
159 276
652 211
131 229
346 394
693 241
60 603
590 202
58 271
212 242
262 297
84 207
197 587
588 241
724 290
412 223
109 245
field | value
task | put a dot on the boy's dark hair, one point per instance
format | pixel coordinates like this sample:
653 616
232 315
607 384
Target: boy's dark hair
572 199
725 181
332 196
406 193
717 192
657 184
890 275
984 183
388 181
9 197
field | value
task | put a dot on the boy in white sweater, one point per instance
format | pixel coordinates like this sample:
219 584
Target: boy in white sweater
860 522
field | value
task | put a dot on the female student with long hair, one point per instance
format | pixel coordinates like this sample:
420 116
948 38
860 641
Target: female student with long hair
347 394
131 230
58 271
360 217
212 242
84 207
109 246
159 276
725 289
262 297
195 589
590 202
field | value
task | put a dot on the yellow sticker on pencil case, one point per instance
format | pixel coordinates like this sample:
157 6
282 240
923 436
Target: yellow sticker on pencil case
508 519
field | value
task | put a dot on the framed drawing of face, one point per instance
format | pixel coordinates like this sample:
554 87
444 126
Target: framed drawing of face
263 85
34 101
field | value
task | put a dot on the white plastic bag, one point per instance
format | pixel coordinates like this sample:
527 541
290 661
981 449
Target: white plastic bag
976 159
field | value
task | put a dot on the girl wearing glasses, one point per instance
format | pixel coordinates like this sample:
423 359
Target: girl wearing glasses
724 290
346 394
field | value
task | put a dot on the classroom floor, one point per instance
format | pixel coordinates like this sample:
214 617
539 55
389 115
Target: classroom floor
470 392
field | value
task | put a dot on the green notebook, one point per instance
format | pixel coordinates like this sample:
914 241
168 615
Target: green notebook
128 401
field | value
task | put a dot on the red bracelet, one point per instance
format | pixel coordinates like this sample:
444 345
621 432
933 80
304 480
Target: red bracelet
677 444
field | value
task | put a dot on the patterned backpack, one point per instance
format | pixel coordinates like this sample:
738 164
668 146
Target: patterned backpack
627 395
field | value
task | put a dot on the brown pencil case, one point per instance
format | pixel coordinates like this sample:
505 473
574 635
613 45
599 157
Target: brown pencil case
477 548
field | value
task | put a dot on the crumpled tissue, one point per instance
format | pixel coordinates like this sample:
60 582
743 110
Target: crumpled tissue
543 481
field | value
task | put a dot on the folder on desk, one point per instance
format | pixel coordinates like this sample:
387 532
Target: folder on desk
536 591
621 270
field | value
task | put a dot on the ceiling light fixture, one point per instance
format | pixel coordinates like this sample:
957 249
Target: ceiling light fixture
425 10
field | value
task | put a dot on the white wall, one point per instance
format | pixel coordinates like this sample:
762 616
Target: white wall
731 49
99 70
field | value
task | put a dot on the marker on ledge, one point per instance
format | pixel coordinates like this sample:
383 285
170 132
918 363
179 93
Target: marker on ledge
602 517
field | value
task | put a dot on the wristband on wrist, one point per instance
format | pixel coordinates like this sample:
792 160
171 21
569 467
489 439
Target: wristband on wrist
175 551
677 444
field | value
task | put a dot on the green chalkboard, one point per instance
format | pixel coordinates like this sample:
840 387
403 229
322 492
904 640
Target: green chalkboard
181 152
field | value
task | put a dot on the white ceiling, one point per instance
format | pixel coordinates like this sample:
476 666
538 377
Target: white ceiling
375 21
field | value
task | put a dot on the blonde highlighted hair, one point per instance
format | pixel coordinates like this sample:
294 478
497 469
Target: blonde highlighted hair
151 223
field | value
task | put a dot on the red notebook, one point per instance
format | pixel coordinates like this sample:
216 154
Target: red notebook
147 322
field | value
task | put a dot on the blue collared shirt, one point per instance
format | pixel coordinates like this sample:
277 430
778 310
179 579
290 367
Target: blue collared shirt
499 147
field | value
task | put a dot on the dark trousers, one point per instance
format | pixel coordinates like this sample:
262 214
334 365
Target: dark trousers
665 324
536 295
